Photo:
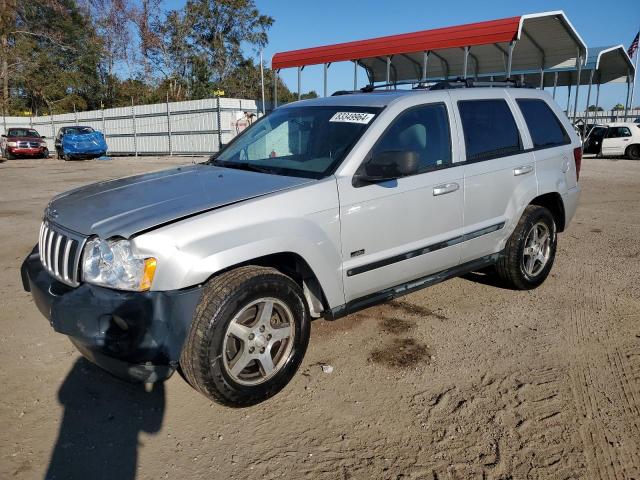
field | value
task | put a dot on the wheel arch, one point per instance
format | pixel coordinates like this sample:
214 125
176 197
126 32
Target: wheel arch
553 202
298 269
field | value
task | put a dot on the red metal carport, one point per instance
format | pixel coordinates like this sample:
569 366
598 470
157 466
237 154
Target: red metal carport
539 41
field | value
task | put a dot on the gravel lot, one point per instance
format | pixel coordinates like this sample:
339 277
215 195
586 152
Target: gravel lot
462 380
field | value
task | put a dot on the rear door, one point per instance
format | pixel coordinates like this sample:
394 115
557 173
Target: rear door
616 141
400 230
499 172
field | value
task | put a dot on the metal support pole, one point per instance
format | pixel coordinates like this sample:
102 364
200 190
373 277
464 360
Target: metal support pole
425 65
299 83
388 71
4 121
541 78
219 119
578 80
465 63
568 99
135 134
597 101
586 115
75 113
355 75
325 79
169 125
104 126
626 103
510 58
53 127
555 83
275 88
264 108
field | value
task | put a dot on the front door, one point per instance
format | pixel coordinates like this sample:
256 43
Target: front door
399 230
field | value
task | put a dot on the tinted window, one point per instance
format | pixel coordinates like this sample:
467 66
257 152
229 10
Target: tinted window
424 130
617 132
544 126
489 129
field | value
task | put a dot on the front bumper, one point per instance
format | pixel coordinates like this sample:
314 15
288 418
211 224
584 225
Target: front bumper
26 152
134 335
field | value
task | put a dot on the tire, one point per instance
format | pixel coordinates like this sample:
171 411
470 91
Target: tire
45 154
515 267
633 152
234 302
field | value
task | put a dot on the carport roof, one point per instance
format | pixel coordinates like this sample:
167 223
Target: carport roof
542 40
609 64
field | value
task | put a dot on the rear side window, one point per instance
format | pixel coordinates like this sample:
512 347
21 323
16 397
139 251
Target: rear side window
489 129
424 130
544 127
618 132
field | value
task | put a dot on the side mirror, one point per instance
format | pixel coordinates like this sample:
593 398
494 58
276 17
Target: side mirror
4 136
387 165
43 136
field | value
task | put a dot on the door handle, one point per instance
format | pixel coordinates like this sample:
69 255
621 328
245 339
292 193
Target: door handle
523 170
625 139
445 188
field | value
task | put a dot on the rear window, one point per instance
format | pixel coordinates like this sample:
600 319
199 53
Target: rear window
489 129
544 127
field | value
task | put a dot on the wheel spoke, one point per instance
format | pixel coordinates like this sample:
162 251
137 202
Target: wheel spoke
528 251
535 235
240 363
239 331
265 313
530 264
282 333
543 239
266 362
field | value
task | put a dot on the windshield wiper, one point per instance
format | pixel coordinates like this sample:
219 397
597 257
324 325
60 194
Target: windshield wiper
242 166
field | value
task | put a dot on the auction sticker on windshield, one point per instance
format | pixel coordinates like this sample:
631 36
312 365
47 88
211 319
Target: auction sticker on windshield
352 117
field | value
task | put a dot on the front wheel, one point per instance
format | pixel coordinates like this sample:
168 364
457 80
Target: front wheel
530 251
248 337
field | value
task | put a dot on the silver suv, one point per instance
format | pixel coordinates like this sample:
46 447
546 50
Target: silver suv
321 208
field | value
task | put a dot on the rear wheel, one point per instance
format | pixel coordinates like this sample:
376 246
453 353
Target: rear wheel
530 251
248 337
633 152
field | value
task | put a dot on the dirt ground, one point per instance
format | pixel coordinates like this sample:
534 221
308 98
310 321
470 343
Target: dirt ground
461 380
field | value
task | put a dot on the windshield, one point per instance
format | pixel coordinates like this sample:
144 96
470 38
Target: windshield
303 141
23 132
78 130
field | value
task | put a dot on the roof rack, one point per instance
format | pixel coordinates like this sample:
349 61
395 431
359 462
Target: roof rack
471 83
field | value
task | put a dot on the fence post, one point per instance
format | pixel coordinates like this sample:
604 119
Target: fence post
169 126
4 120
75 113
219 122
53 129
135 136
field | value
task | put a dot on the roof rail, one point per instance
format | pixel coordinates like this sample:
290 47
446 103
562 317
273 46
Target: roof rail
471 83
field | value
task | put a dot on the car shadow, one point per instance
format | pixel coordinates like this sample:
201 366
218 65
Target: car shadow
486 277
103 417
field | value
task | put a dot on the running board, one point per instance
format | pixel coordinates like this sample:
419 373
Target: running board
408 287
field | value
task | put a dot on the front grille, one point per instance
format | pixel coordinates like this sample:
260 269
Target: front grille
60 253
28 144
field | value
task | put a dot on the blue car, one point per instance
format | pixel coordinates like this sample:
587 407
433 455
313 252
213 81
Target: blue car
78 143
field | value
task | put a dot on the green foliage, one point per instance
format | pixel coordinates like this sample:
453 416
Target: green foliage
57 55
618 106
592 108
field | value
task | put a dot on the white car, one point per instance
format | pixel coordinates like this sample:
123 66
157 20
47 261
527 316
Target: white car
319 209
614 139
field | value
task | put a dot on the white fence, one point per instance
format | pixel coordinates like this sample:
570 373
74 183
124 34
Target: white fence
175 128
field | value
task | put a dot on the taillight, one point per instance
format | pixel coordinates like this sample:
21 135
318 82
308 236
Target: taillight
577 156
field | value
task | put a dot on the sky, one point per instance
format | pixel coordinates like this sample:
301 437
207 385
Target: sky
303 24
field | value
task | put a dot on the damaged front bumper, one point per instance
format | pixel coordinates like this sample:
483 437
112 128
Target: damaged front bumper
134 335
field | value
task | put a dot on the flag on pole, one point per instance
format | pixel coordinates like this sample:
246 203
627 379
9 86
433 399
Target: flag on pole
634 46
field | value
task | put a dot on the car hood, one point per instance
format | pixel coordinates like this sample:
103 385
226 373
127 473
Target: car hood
131 205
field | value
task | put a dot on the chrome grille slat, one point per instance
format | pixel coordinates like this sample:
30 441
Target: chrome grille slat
60 253
65 260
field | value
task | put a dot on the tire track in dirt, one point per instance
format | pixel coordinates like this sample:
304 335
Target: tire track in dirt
521 425
605 388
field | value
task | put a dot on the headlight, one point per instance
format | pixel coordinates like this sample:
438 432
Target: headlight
12 144
111 263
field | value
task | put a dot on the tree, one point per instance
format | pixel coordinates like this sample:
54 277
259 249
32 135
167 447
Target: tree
593 108
618 107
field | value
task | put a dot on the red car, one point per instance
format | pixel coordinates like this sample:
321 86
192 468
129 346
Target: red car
23 142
